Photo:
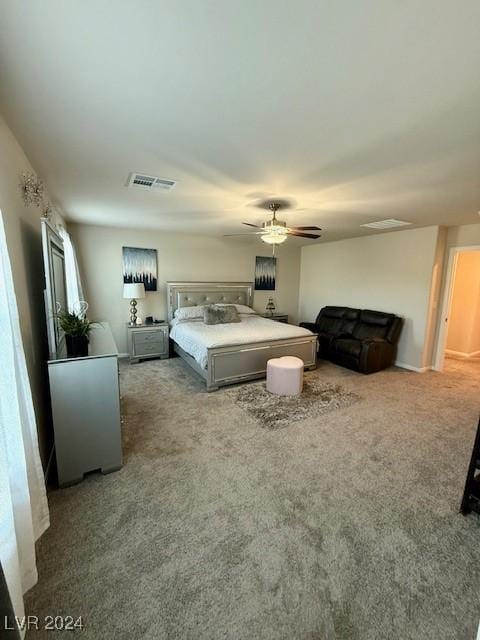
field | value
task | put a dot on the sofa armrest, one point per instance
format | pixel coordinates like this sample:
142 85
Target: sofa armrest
393 334
311 326
376 354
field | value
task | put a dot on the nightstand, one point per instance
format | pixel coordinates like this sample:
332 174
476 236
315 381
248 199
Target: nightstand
278 317
147 341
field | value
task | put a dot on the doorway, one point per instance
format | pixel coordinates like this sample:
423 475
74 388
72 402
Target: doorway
459 335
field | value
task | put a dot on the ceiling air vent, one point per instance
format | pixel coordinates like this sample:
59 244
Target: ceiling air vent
151 183
386 224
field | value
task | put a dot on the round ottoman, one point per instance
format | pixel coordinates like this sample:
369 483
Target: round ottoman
285 376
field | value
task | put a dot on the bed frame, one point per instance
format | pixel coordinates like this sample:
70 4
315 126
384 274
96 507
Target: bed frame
229 365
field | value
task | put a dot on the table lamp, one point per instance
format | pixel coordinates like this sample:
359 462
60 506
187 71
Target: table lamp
270 308
133 291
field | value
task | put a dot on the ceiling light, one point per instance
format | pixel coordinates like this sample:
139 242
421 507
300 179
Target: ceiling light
274 237
275 231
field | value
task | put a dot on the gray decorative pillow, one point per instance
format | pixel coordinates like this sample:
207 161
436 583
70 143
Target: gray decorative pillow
220 315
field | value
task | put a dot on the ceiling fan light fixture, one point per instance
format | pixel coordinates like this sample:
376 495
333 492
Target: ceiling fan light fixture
275 226
276 231
274 237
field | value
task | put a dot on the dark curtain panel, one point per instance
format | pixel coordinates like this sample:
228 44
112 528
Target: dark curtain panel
8 627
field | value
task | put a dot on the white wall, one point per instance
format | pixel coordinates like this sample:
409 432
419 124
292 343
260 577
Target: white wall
387 272
22 227
464 322
401 272
180 257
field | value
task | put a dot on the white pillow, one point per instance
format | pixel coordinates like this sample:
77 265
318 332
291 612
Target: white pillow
188 313
241 308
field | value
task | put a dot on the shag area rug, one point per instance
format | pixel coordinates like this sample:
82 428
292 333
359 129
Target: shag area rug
278 412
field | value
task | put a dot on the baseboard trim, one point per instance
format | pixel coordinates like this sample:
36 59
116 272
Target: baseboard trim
409 367
462 354
123 355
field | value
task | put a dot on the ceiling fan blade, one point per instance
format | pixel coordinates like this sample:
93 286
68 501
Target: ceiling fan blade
306 228
303 235
249 224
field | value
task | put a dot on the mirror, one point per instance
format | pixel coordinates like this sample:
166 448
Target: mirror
55 287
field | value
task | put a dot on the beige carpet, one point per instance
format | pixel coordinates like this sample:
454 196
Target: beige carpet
343 526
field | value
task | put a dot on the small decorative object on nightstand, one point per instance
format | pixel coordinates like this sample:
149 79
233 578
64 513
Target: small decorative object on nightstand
147 341
278 317
133 291
270 308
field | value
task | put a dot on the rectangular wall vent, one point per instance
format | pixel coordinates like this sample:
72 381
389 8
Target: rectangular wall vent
386 224
151 183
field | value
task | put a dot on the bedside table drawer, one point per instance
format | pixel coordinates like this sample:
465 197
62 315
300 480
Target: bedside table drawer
149 348
147 342
148 337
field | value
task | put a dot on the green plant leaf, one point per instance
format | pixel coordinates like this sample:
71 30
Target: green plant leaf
73 324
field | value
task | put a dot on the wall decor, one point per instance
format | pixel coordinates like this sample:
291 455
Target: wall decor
140 265
265 271
31 188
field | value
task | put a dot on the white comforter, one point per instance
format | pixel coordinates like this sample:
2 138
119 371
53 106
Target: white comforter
195 337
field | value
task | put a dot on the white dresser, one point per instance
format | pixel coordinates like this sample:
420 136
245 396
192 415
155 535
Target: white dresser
85 398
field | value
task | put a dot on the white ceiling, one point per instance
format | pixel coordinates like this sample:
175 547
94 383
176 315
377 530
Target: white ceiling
358 110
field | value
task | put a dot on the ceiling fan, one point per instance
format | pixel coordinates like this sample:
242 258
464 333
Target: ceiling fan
275 231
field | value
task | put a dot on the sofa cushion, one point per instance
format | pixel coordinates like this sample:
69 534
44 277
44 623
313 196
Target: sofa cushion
372 324
329 325
330 319
349 321
348 346
330 312
376 317
333 312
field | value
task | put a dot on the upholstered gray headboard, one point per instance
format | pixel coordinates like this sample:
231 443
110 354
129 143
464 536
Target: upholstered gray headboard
191 294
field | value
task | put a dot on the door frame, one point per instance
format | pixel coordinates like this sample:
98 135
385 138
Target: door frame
447 303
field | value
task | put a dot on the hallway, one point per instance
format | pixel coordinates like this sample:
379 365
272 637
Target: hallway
463 366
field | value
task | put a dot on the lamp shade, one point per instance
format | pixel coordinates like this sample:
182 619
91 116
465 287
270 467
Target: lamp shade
134 290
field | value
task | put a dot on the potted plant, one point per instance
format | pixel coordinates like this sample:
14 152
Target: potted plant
76 329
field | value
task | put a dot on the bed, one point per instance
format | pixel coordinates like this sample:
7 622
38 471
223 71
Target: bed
228 354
